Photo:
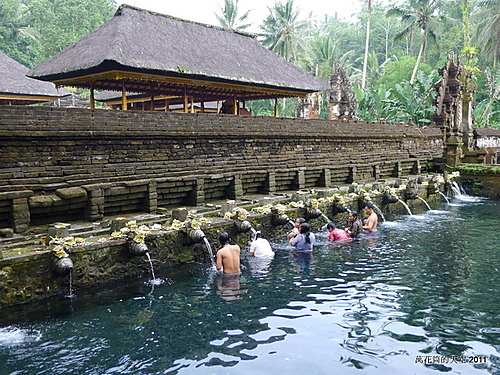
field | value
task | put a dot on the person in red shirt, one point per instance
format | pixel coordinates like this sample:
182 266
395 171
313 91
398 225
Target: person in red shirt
337 234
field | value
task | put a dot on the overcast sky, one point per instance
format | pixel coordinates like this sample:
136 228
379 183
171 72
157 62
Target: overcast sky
203 10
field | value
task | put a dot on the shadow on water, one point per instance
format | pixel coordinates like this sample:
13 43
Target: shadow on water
424 285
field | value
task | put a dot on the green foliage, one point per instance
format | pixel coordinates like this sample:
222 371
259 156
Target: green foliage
281 30
398 71
404 102
230 17
58 23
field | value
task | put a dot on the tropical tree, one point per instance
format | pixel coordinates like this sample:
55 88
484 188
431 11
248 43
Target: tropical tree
16 40
230 17
488 29
420 15
367 43
58 23
282 30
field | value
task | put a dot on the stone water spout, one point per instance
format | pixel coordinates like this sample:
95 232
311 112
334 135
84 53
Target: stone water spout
136 248
197 236
62 266
244 226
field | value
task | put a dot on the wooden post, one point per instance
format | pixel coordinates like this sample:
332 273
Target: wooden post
124 96
152 99
235 105
202 103
92 98
185 109
192 104
275 107
167 104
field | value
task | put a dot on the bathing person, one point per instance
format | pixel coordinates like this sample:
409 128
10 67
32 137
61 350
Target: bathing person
228 257
296 229
260 247
337 234
372 221
354 225
304 241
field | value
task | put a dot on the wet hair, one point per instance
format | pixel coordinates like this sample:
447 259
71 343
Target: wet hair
301 220
370 206
305 230
255 235
224 238
331 226
354 213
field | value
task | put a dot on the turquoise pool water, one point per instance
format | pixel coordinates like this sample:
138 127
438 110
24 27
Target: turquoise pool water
420 298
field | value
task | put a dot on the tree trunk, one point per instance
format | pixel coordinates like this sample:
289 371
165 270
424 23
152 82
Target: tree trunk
367 45
419 57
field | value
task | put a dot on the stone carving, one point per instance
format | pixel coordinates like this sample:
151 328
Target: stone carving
342 103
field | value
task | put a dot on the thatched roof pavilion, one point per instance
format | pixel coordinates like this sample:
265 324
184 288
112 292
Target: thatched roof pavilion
145 52
17 89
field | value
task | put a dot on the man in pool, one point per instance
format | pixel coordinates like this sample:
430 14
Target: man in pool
372 221
354 225
228 257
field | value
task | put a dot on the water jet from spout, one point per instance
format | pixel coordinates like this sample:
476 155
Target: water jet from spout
445 197
423 200
405 206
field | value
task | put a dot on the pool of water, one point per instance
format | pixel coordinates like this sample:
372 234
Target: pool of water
421 297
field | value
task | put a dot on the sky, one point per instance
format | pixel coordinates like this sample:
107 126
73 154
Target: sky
203 10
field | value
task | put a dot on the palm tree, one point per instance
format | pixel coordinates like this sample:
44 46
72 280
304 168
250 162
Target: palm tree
488 30
421 15
282 31
230 18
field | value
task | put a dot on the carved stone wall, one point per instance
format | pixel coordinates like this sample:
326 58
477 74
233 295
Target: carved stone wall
66 164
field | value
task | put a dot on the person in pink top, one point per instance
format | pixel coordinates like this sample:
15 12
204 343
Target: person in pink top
337 234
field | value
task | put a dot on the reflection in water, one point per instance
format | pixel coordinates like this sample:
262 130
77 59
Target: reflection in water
228 285
427 285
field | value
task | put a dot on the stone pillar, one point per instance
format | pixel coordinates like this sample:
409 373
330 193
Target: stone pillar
376 172
453 151
300 179
270 184
417 167
95 203
20 216
398 170
326 178
152 197
197 196
236 188
353 174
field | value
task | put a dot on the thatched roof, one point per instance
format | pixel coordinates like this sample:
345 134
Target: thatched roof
17 89
151 52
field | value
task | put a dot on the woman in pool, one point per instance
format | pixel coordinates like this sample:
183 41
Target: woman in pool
304 241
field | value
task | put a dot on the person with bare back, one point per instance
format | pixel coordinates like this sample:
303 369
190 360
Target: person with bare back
228 256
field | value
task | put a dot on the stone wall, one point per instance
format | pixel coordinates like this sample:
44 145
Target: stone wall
65 164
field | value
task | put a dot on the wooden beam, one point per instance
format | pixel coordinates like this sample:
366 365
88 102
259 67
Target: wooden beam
167 104
141 78
276 107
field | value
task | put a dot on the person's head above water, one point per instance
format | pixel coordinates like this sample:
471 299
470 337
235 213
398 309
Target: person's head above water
331 226
224 238
353 215
304 228
369 206
299 221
